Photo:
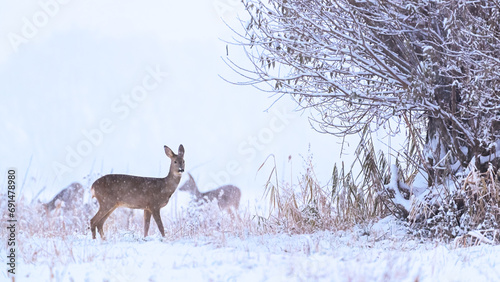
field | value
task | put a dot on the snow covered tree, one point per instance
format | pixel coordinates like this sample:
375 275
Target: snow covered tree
432 66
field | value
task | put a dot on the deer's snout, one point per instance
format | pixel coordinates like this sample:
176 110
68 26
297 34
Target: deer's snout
181 169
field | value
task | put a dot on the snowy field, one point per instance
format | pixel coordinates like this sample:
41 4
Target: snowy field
371 253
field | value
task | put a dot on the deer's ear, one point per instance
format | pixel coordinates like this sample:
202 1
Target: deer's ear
169 152
181 151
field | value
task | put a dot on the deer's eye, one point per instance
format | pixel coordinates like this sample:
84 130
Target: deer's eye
175 161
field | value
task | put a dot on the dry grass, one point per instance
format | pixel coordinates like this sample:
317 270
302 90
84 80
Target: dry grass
191 221
301 208
481 195
48 239
469 215
308 206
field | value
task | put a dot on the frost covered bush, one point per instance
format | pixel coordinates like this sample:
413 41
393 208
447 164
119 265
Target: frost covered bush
474 207
206 219
201 219
426 69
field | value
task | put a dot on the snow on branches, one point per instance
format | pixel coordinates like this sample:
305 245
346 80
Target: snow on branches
433 66
366 62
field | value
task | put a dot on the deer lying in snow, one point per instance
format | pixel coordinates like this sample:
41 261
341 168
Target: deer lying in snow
227 196
146 193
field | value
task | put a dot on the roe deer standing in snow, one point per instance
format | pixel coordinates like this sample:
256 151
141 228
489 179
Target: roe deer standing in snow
227 196
146 193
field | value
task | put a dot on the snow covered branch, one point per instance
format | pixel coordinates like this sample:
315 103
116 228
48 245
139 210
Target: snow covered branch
365 62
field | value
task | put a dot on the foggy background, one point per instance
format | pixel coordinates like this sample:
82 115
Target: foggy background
94 87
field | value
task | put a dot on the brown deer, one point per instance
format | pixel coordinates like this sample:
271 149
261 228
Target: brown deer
135 192
68 198
227 196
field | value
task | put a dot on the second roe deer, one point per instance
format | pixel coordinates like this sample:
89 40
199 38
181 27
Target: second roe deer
69 198
146 193
227 196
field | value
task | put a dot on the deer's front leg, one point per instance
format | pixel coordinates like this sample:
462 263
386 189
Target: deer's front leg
147 220
156 216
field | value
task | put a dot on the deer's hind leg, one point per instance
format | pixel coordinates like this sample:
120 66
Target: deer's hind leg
95 220
98 220
100 224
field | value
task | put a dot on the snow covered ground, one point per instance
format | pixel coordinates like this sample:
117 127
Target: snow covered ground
371 253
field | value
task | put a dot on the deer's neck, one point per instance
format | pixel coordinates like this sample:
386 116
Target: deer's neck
172 181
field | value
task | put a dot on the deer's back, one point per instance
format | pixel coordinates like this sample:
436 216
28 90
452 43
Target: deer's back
226 196
129 190
72 193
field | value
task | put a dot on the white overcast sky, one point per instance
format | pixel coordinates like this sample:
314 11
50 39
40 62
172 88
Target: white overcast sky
74 71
